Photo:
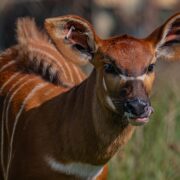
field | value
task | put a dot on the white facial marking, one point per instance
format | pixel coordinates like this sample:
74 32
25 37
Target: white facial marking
110 103
104 84
77 169
131 78
28 97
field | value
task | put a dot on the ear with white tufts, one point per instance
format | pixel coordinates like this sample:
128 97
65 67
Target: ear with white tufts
166 39
73 36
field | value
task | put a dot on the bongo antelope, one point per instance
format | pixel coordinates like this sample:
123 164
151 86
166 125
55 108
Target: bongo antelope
56 126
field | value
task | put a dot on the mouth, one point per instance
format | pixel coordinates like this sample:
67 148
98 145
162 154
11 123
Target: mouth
139 120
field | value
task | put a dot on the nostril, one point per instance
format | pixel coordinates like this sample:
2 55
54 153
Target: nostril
128 107
136 107
146 108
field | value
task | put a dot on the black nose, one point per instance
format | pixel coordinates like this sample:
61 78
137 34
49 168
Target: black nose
136 106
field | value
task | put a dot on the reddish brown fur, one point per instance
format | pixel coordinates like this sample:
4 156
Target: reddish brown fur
130 54
84 132
71 124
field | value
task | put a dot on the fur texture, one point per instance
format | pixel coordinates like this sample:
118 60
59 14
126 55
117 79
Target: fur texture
37 54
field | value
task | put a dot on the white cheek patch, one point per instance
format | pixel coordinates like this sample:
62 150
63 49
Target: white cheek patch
125 78
131 78
104 84
107 98
110 103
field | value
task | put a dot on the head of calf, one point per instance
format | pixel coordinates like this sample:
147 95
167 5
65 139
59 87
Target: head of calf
124 65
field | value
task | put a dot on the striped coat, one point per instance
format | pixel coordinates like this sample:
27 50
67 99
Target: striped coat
31 73
54 127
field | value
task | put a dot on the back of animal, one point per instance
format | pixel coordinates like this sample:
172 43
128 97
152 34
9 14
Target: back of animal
31 73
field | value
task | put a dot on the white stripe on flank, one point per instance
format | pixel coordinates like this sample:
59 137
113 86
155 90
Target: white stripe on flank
9 80
69 71
28 97
2 148
7 65
4 118
32 49
2 125
131 78
8 102
77 73
86 171
49 91
53 59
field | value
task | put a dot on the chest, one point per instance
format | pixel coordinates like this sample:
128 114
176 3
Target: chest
80 170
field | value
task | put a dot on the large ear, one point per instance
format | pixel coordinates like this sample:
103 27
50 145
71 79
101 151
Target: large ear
166 39
73 36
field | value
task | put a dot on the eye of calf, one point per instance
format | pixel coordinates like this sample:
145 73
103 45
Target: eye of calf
109 68
150 68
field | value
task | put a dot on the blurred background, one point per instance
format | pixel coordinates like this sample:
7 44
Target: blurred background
154 151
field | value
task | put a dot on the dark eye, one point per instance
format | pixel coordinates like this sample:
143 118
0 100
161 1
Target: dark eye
151 68
109 68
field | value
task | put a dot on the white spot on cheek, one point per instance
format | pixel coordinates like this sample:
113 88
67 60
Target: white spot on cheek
110 103
142 77
104 84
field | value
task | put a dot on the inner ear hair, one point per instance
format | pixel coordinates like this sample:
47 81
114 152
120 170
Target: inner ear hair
166 39
170 32
79 38
74 37
69 33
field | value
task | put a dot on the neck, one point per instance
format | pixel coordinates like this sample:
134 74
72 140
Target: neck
87 131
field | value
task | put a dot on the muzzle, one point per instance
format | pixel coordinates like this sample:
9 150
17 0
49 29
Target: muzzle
137 111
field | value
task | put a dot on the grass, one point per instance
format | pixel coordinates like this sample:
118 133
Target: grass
153 153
